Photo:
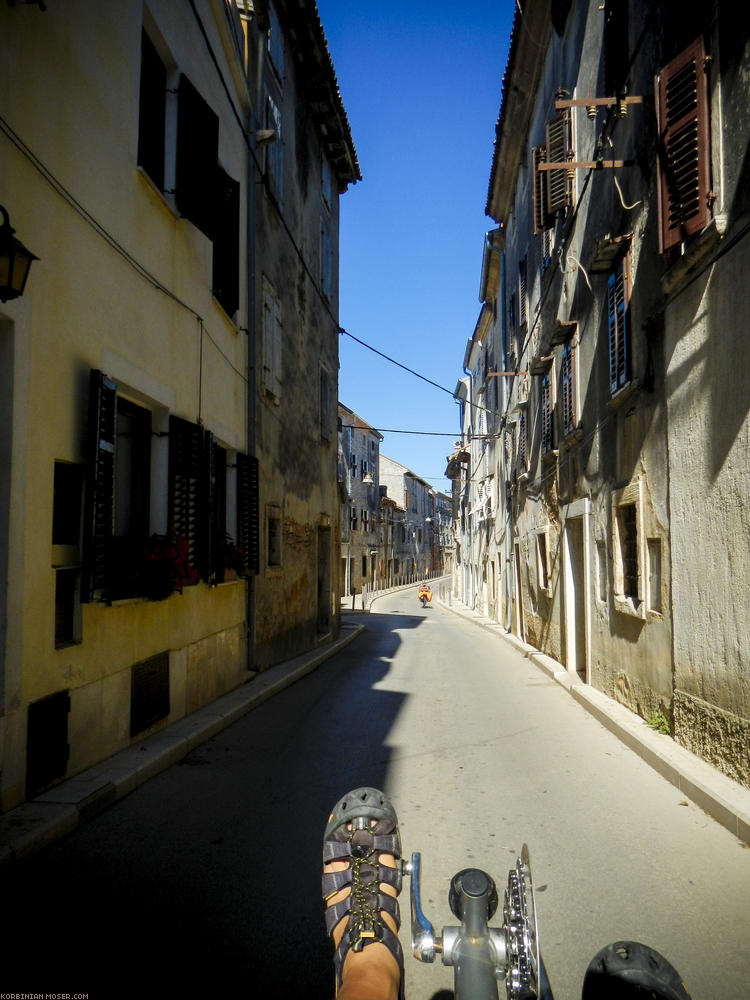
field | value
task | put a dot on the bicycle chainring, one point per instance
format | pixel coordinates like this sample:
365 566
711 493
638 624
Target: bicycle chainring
521 933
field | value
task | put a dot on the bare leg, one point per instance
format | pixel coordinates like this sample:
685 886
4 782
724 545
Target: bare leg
373 973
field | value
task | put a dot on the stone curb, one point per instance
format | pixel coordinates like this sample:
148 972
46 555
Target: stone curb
38 823
723 799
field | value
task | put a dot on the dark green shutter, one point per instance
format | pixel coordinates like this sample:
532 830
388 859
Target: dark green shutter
248 511
100 483
186 489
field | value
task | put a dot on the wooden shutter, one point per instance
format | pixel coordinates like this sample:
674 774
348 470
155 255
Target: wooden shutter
568 389
197 155
522 441
248 511
187 487
541 212
100 483
558 143
546 413
619 334
684 167
226 258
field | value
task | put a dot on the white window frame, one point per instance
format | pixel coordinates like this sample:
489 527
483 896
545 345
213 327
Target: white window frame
628 605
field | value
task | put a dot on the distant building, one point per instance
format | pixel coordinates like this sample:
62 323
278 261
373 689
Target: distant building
415 497
359 452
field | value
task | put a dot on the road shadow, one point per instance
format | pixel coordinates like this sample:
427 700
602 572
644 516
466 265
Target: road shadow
207 878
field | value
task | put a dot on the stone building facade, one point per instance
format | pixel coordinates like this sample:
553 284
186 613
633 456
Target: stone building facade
619 186
168 494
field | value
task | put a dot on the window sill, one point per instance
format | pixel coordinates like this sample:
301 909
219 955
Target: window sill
624 394
166 200
571 439
699 248
627 606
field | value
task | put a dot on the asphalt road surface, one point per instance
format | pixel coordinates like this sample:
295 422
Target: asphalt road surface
206 880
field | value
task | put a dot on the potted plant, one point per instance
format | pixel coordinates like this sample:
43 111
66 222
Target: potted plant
165 567
231 561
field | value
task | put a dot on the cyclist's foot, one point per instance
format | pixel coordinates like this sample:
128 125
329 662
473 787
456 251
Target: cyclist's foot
362 877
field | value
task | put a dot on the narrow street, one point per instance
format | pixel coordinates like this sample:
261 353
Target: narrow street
205 881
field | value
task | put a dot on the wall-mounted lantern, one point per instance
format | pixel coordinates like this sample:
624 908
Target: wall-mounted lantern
15 261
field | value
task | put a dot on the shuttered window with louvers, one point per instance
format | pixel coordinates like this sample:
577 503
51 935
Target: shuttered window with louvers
187 492
619 327
248 511
100 483
684 166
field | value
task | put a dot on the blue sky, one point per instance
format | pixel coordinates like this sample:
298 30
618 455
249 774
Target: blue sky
422 85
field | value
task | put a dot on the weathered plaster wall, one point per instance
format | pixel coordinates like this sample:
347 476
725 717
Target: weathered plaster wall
708 394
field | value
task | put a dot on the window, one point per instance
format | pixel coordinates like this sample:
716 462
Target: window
226 240
197 158
522 444
683 164
274 152
272 331
353 518
512 333
653 553
548 409
627 554
601 566
569 389
522 295
553 180
628 551
618 295
542 561
152 112
67 608
364 566
66 508
616 47
132 471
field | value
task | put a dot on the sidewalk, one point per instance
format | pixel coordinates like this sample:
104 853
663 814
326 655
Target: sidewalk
724 800
56 812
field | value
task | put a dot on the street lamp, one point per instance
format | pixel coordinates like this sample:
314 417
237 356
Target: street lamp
15 261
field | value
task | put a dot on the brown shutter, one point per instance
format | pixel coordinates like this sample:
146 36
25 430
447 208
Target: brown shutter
558 144
684 168
100 483
541 214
